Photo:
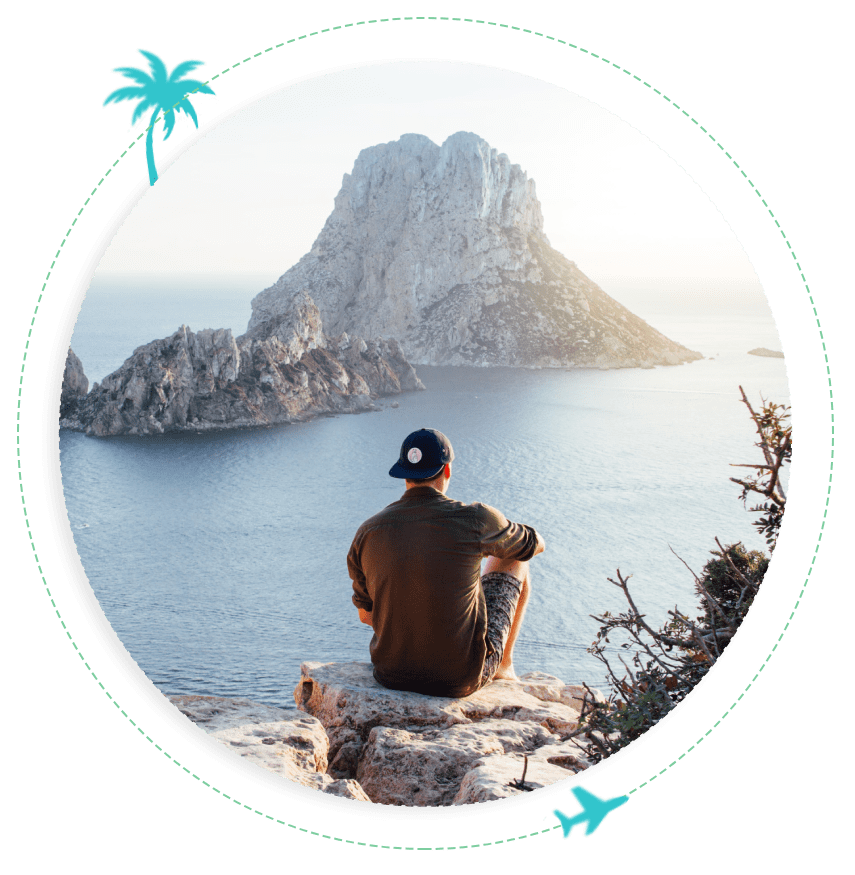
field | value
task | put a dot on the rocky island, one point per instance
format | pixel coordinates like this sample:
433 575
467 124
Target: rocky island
283 372
443 248
431 255
350 737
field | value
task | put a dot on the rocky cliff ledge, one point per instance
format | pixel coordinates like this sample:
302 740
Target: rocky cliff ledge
287 371
443 248
353 738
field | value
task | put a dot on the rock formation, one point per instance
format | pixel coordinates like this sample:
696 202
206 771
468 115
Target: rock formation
74 381
433 255
353 738
283 740
284 371
443 248
766 353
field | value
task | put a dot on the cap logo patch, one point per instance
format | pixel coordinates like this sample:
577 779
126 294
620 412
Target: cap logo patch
414 455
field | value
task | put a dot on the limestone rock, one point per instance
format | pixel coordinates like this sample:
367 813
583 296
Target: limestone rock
361 741
400 767
549 688
766 353
74 382
286 372
411 749
443 248
282 740
492 778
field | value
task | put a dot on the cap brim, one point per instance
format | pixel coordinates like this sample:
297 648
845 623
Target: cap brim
402 473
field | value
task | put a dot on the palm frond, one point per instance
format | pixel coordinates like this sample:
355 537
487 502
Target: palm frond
183 68
136 74
192 86
185 106
127 93
168 123
158 68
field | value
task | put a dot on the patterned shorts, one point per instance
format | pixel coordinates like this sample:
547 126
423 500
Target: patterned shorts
502 594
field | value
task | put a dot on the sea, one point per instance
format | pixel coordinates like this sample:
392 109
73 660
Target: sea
219 558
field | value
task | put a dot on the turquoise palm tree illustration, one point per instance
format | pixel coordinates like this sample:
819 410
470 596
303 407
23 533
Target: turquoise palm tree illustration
159 92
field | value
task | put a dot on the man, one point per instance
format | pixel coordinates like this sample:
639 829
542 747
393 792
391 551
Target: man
440 626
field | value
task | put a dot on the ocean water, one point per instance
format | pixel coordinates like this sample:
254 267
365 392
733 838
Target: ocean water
219 559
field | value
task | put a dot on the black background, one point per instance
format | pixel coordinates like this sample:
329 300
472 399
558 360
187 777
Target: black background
86 768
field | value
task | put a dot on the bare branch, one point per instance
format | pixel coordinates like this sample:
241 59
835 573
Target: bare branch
662 665
684 563
763 445
622 583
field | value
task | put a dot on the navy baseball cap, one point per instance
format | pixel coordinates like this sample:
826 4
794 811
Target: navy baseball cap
424 453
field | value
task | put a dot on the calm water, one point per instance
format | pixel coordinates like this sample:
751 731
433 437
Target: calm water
219 559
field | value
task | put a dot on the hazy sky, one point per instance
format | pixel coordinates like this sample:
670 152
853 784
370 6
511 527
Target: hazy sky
252 195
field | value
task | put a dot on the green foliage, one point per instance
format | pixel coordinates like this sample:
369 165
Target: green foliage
729 580
660 667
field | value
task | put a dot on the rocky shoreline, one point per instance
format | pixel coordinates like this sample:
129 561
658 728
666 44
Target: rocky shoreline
348 736
208 380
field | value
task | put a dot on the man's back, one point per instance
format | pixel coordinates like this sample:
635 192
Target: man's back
416 568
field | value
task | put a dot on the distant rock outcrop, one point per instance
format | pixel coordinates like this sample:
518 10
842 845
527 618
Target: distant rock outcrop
286 371
74 381
352 737
432 255
443 248
766 353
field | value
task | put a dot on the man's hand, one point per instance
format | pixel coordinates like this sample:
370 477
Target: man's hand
365 617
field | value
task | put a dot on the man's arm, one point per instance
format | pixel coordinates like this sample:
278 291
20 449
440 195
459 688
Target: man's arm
361 599
506 540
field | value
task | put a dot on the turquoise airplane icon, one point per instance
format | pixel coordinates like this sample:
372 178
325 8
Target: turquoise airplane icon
594 810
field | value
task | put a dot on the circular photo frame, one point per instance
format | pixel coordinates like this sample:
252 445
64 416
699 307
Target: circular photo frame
537 817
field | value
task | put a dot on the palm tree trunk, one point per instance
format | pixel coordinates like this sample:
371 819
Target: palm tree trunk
149 150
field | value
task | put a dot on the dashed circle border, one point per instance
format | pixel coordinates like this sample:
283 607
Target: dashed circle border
618 68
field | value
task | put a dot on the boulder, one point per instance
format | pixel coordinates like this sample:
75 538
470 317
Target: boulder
426 767
411 749
496 777
351 737
285 741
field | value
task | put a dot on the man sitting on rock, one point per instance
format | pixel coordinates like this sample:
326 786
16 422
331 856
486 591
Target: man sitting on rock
441 627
